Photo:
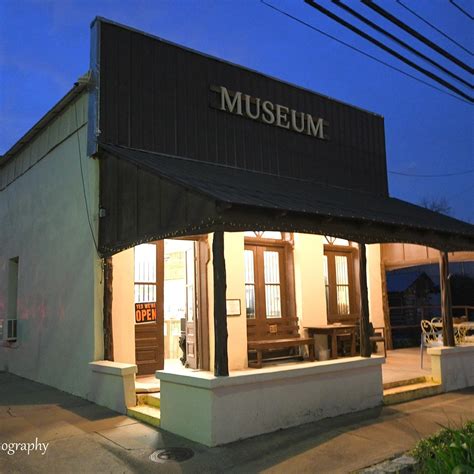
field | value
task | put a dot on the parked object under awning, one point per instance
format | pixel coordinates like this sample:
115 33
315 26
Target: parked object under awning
150 196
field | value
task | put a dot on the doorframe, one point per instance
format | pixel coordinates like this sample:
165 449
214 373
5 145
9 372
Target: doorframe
202 259
286 261
159 285
354 293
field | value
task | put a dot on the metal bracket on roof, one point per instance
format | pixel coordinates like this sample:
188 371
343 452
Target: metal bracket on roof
85 79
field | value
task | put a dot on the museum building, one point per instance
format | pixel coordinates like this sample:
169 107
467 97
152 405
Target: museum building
199 228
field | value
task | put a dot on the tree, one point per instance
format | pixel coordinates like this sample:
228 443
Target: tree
439 204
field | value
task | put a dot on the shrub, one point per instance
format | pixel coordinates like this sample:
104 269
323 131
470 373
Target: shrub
448 451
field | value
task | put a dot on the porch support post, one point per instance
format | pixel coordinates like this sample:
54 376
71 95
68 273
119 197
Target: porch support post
221 365
107 323
386 308
365 347
446 310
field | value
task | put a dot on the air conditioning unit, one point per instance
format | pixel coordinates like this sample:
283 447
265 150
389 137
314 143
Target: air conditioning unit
12 330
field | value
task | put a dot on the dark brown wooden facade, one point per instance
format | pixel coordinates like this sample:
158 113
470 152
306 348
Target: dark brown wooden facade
136 204
157 96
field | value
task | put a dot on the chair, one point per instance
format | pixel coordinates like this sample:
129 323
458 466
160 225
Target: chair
347 339
469 339
378 337
374 337
430 336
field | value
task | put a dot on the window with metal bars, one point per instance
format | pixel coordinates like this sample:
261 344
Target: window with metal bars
265 281
338 268
145 273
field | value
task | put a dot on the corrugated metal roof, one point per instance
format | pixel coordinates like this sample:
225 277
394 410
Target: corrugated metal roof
74 92
247 188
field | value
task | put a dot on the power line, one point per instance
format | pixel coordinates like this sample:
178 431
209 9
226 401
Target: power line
402 58
444 175
461 9
83 183
401 71
434 27
399 41
417 35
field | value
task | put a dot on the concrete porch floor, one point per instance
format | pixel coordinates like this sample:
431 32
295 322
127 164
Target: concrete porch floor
404 364
401 364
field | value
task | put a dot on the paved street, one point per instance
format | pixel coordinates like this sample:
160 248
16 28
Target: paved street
86 438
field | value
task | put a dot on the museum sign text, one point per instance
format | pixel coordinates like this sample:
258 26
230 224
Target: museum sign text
267 112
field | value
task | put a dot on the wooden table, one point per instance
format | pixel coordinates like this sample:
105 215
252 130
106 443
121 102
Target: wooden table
335 330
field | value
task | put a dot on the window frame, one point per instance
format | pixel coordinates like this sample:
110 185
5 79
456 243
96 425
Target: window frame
159 276
287 276
349 251
260 284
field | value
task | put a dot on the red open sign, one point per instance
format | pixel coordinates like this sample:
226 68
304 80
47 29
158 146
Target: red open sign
145 312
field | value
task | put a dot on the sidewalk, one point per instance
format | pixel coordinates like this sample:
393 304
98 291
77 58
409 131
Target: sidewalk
86 438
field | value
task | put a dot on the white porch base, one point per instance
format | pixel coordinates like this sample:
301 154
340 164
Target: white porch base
217 410
453 366
113 385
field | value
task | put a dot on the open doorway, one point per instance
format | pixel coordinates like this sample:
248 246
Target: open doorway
170 305
180 302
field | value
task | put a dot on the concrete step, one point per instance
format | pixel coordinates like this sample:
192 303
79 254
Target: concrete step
151 399
410 392
145 413
401 383
146 387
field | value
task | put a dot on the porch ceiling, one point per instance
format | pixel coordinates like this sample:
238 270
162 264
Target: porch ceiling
233 199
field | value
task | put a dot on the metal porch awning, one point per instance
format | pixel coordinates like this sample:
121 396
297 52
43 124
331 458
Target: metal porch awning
148 196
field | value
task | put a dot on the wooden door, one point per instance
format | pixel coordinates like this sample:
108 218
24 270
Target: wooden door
267 297
149 321
189 297
191 307
202 320
340 284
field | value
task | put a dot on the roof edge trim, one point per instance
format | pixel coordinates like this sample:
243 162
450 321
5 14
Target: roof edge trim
70 96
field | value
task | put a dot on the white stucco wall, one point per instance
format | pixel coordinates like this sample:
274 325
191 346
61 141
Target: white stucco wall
218 410
113 385
309 279
453 366
374 284
43 222
123 317
236 325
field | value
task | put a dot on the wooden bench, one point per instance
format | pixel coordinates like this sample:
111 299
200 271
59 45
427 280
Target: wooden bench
260 346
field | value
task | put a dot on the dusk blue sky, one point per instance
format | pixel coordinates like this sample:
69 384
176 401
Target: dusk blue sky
44 48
